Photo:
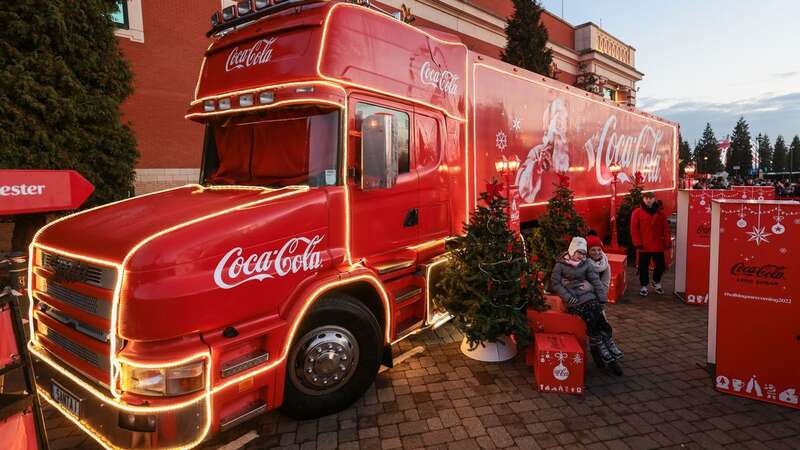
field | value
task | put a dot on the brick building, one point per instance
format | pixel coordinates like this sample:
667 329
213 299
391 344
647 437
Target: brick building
164 42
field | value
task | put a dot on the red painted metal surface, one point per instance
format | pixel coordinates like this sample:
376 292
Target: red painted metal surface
560 363
31 191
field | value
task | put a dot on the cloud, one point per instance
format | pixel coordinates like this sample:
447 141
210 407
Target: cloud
773 114
793 74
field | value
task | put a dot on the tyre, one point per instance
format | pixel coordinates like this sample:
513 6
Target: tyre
334 358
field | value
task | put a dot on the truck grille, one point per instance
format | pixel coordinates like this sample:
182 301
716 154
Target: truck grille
76 349
83 302
94 275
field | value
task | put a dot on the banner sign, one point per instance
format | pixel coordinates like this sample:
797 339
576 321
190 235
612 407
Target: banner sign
755 192
694 240
754 315
31 191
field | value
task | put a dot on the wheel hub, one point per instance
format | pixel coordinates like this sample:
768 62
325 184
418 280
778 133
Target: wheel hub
325 359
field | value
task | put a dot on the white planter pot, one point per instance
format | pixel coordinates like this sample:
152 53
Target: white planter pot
502 350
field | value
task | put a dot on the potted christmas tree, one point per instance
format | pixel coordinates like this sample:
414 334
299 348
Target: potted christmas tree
557 226
489 283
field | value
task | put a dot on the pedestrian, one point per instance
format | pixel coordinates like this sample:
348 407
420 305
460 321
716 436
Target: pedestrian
651 237
576 282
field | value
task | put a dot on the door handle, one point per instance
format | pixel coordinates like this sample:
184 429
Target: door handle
412 218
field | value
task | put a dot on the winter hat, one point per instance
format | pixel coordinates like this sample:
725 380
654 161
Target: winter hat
577 243
593 241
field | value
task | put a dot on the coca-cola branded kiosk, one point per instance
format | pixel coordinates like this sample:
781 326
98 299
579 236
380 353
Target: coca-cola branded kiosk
694 233
754 300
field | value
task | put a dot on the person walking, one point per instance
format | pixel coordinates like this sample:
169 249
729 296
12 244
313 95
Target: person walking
651 237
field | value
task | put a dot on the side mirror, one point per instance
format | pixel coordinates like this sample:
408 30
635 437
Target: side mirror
378 155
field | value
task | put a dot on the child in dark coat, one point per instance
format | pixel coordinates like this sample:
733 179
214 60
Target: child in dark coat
575 280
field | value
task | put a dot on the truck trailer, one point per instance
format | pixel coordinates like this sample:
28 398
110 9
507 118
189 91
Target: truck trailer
343 149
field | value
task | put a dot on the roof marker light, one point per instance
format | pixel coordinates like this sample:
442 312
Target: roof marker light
246 100
209 105
224 103
244 7
261 4
304 89
229 13
266 97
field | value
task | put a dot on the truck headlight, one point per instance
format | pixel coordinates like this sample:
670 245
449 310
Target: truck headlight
165 381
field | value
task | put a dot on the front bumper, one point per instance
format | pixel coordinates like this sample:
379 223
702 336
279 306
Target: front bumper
181 428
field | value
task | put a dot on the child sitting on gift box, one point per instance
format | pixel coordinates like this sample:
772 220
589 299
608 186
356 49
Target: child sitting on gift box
598 259
575 280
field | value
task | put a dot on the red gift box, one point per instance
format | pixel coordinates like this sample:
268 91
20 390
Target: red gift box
554 321
617 263
559 363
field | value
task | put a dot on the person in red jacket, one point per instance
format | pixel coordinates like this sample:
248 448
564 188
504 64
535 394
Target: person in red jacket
650 235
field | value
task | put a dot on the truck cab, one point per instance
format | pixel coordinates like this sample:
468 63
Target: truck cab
331 178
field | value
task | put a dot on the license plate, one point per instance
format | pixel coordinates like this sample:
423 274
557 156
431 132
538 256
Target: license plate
66 399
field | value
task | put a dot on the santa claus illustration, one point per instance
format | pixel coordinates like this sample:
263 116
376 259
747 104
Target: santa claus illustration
552 153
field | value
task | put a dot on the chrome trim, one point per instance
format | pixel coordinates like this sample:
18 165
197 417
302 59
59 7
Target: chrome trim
383 269
85 303
244 363
407 295
232 422
102 277
99 361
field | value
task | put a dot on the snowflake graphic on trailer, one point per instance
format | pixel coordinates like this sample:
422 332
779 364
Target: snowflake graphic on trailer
501 140
516 124
758 234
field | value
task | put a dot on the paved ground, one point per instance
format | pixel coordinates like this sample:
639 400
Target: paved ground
441 399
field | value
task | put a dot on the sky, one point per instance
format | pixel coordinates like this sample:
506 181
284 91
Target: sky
708 61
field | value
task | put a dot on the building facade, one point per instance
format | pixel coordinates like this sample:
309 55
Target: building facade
164 43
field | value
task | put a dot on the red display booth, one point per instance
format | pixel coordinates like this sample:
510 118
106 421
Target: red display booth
754 300
693 240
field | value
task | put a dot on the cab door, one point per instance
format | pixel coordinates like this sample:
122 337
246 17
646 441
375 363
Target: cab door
384 221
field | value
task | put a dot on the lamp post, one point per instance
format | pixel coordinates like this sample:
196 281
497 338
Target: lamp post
689 171
507 167
615 169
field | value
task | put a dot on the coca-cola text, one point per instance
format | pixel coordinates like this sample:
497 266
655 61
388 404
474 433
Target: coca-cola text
444 80
768 271
258 53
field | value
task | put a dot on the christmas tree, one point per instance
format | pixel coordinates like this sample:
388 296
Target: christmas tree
740 154
62 79
557 226
489 283
780 156
764 153
629 203
684 154
527 39
707 153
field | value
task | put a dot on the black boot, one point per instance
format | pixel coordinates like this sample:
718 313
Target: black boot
602 351
598 360
612 348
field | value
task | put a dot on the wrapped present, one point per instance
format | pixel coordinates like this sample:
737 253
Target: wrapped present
559 363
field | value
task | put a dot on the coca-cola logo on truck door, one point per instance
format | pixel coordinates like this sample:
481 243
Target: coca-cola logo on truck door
443 80
296 255
258 53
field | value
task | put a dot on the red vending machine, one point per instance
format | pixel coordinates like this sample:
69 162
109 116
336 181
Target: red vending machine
754 307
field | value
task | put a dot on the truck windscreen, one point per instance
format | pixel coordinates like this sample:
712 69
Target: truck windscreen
283 147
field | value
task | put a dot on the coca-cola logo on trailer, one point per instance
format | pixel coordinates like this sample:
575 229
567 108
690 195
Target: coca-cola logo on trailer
636 153
767 271
258 53
296 255
704 229
443 80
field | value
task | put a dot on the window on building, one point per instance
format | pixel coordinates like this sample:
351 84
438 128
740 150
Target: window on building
609 94
120 16
128 20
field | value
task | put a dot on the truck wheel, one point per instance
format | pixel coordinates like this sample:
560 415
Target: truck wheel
334 358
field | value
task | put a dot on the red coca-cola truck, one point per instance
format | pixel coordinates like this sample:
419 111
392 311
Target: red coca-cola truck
343 148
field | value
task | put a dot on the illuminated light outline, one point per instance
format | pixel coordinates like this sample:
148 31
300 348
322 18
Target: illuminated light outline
323 42
444 259
428 244
264 88
32 253
587 97
79 423
260 107
594 197
202 66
